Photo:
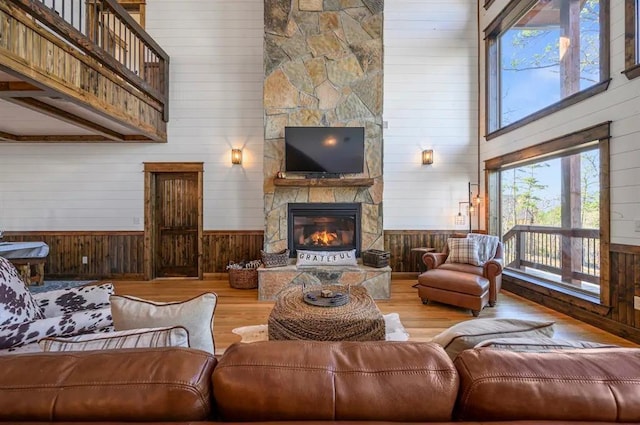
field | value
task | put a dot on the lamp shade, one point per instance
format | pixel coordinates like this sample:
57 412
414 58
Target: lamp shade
427 157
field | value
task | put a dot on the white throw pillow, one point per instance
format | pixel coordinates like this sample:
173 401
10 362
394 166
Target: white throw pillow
196 315
17 305
176 336
469 334
463 250
326 258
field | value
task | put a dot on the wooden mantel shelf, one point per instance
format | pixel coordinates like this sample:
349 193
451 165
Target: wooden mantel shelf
347 182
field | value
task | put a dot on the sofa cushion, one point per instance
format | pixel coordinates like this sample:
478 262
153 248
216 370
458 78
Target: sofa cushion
16 302
176 336
164 385
195 314
465 335
61 301
463 250
539 344
335 381
593 385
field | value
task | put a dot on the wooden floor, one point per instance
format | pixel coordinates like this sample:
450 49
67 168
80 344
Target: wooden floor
238 307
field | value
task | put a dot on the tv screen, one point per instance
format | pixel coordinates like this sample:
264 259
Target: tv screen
332 150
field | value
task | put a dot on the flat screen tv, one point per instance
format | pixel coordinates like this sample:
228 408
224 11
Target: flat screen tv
324 150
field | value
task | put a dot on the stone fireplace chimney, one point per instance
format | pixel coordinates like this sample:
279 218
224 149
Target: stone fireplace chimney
323 67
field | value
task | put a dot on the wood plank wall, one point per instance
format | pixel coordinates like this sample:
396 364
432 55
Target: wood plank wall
120 254
400 243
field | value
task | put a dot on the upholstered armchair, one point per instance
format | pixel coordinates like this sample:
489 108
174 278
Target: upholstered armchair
471 277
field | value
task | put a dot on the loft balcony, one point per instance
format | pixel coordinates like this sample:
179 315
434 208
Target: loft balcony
80 71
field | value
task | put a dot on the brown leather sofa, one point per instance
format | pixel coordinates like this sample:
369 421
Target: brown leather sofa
280 381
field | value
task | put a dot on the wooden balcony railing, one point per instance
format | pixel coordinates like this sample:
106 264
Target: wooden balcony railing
572 254
103 30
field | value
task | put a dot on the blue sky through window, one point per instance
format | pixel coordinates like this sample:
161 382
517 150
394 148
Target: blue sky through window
529 60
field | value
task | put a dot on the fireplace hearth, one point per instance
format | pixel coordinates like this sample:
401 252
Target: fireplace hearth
323 227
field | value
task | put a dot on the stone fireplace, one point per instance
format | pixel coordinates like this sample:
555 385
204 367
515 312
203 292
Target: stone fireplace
323 65
323 227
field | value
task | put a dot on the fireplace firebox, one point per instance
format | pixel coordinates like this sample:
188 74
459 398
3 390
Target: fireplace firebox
323 227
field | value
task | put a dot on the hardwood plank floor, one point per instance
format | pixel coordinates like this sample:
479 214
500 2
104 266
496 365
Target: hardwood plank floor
237 307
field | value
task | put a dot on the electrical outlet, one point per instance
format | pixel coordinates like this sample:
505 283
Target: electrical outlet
385 124
636 303
136 220
85 259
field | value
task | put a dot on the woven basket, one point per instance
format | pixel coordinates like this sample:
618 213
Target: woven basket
243 278
275 259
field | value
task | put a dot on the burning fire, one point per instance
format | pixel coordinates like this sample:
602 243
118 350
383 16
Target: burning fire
323 237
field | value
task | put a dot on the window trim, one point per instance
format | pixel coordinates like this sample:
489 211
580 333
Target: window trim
505 19
631 62
600 132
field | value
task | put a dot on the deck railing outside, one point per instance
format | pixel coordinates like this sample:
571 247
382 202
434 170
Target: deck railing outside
572 254
104 30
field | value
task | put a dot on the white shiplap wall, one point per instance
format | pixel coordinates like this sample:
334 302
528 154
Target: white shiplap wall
216 104
619 104
430 102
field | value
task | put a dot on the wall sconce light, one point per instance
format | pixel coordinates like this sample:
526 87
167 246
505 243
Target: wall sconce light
236 156
427 157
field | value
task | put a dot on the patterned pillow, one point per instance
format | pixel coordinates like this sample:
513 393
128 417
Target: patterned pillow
463 250
196 315
88 321
62 301
16 302
136 338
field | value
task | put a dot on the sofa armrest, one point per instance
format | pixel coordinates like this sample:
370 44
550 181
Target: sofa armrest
493 268
88 321
434 259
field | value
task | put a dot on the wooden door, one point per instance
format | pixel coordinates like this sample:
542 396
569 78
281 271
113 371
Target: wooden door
176 225
173 220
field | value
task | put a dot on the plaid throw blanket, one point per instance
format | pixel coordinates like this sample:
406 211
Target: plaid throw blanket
487 245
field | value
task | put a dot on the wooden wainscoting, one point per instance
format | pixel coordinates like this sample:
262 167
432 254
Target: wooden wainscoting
109 254
400 243
119 254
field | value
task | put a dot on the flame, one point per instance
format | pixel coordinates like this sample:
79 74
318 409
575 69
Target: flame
323 237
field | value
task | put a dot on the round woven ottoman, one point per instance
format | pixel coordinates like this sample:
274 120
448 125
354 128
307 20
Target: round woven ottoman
358 320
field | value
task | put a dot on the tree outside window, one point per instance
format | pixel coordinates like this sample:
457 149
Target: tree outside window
550 215
550 52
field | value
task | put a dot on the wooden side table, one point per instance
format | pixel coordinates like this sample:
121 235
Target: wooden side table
31 270
421 250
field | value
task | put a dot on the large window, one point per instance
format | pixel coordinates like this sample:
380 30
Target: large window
632 41
540 53
550 211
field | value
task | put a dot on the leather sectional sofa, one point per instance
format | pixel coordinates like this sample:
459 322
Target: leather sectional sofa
312 381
